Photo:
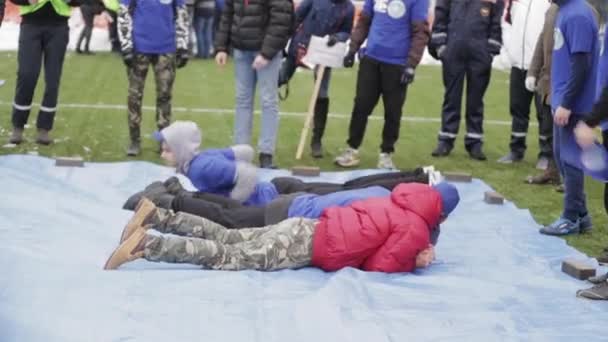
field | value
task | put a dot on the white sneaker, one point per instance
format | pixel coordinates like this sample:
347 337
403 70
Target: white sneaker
386 162
435 177
348 158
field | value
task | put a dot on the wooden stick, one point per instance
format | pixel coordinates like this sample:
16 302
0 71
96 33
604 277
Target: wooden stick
311 112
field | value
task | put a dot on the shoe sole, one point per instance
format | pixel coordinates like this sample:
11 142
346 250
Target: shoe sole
144 210
124 252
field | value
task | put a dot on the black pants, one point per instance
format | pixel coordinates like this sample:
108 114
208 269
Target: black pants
113 32
377 79
289 185
222 210
520 99
88 16
232 214
38 44
473 63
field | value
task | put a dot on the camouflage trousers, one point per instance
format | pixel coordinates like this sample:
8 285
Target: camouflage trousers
164 74
200 241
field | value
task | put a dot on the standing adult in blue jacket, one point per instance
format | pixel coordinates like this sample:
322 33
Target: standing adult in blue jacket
333 18
573 93
397 32
466 37
156 33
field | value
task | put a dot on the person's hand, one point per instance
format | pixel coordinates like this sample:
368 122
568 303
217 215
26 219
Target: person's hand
260 62
349 60
407 76
221 58
181 58
425 257
440 51
128 57
531 83
562 115
332 40
584 134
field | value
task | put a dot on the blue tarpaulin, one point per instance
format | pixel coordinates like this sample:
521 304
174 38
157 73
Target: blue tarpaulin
495 279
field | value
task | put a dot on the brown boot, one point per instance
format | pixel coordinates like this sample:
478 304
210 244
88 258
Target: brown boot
43 137
549 176
131 249
16 136
144 214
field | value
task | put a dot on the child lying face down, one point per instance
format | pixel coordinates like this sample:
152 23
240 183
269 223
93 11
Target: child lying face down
384 234
228 172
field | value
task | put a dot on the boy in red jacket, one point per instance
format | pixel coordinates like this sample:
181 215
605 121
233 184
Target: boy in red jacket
383 234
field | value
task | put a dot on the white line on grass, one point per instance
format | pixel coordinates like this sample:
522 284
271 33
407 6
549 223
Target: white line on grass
225 111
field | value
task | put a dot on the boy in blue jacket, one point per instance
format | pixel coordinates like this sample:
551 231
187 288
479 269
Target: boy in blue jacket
229 173
573 92
333 18
156 33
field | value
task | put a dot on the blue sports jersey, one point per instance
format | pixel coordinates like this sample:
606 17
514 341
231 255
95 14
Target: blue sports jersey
390 32
576 31
154 25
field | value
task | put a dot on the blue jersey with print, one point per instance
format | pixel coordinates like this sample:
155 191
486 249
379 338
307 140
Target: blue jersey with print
390 32
154 25
576 31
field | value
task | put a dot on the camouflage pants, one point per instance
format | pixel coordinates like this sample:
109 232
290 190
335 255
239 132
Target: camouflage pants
164 74
287 244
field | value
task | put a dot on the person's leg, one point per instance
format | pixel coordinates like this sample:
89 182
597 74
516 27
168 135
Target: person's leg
54 45
286 245
268 78
453 72
320 114
369 87
290 185
89 20
545 128
393 97
245 92
228 217
199 33
137 80
605 141
519 103
208 36
164 74
479 70
29 56
223 201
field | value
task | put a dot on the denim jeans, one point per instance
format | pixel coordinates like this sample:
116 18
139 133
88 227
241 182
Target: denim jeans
567 157
203 27
247 79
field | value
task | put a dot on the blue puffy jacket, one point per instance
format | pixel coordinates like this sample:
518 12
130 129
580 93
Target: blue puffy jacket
311 206
321 18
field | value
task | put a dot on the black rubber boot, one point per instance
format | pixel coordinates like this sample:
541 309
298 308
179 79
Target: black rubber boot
266 161
320 120
134 147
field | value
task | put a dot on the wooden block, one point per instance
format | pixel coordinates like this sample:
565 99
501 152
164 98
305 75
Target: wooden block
577 269
458 177
493 197
69 162
306 171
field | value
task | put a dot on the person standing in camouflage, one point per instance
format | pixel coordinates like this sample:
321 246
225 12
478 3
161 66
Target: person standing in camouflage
155 33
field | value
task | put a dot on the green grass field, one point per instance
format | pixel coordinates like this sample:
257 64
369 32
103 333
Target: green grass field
92 123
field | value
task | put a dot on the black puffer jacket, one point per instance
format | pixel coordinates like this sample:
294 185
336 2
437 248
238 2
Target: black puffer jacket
253 25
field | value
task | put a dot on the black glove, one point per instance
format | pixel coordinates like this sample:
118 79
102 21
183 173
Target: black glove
332 40
407 75
181 58
349 60
128 57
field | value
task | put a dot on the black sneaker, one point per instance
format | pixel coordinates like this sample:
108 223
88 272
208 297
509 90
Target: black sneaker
173 186
477 154
442 150
316 150
266 161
